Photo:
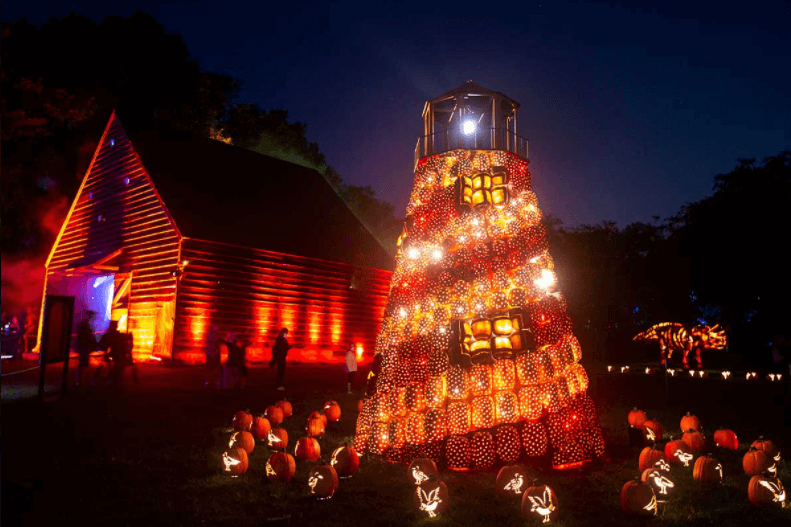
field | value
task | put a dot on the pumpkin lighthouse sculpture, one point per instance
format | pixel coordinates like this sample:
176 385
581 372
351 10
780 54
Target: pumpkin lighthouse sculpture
476 359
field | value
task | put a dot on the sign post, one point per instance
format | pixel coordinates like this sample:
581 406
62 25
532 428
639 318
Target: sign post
55 338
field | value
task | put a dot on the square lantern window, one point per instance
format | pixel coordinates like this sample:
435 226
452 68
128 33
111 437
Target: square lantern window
484 188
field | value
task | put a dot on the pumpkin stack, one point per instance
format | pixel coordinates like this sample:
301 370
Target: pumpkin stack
474 335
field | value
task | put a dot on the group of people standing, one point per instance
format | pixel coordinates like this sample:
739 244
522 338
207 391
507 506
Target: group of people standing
234 372
116 347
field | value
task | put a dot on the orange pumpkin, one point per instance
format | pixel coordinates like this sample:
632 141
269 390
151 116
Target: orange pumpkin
320 415
421 470
345 461
235 461
360 405
707 470
513 480
638 498
694 441
540 503
332 411
678 451
756 462
690 422
274 414
726 439
242 420
649 456
323 481
261 427
280 467
307 449
284 405
636 418
243 440
659 481
277 438
652 431
766 492
768 447
315 427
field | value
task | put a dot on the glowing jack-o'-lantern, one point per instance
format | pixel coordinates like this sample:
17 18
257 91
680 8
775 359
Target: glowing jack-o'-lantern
431 498
332 411
242 439
235 461
540 503
652 431
766 492
756 462
767 446
345 461
482 450
242 420
726 439
507 443
638 498
307 449
694 441
261 427
323 481
649 457
315 427
277 438
513 480
534 439
707 470
280 467
422 470
659 481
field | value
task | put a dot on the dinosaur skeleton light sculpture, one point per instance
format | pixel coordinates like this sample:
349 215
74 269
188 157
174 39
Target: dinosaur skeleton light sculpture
673 337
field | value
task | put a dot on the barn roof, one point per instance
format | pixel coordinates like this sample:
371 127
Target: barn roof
219 192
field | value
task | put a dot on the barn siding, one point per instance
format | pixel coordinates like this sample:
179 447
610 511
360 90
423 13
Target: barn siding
134 219
254 293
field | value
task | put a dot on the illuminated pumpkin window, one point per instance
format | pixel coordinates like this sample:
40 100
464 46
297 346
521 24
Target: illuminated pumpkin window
484 189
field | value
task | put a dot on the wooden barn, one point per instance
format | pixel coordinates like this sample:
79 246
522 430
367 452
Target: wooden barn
171 233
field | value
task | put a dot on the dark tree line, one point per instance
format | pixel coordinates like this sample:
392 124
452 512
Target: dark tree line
720 260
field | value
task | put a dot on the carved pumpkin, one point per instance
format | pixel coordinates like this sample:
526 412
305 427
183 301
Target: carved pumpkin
649 456
513 480
323 481
422 470
659 481
694 441
235 461
678 451
277 438
768 448
431 498
274 414
288 410
345 461
766 492
540 503
261 427
332 411
482 450
636 418
307 449
707 470
726 439
242 420
320 415
507 443
756 462
435 425
243 440
315 427
457 453
652 431
690 422
534 438
638 498
280 467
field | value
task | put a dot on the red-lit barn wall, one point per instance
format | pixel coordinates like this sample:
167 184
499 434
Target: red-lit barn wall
135 220
254 293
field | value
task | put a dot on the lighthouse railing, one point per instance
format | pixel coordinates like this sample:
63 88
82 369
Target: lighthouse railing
479 139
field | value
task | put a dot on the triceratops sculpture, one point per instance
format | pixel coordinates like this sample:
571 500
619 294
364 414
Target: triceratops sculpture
673 336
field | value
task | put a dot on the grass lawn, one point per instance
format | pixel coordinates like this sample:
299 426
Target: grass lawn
153 456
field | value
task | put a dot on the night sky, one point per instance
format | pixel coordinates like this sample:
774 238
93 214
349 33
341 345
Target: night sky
630 112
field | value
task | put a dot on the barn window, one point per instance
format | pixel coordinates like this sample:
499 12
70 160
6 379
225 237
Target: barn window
112 141
126 181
